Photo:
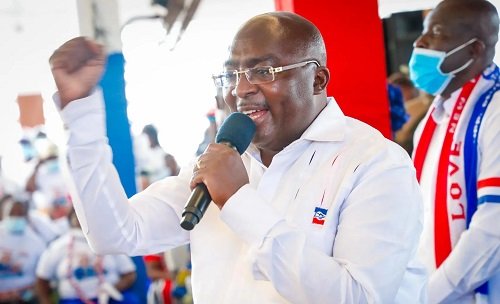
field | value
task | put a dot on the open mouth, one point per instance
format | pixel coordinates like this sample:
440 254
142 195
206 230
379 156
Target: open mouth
255 114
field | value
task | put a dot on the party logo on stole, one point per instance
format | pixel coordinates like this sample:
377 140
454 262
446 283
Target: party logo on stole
319 216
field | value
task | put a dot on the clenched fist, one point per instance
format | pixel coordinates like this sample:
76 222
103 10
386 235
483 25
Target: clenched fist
77 67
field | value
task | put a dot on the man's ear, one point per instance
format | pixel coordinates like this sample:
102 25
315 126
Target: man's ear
321 79
478 49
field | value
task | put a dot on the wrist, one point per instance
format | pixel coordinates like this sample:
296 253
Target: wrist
65 98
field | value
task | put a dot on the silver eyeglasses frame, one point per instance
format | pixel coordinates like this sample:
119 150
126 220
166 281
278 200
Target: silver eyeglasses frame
219 78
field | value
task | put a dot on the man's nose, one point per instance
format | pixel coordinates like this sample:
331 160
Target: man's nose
420 42
243 86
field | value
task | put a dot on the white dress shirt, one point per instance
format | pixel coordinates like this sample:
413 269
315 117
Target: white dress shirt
263 247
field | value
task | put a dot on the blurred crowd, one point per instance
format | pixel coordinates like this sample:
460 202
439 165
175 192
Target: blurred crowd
44 256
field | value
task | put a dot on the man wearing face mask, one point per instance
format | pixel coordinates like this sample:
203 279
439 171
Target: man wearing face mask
20 249
457 154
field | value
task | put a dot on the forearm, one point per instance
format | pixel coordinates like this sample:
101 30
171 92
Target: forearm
31 182
126 281
299 273
154 271
474 259
99 198
43 291
309 274
109 221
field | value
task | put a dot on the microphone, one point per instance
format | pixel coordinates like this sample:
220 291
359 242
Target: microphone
236 132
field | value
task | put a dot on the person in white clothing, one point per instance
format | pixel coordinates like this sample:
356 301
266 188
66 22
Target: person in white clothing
80 275
152 162
457 153
321 207
50 194
20 249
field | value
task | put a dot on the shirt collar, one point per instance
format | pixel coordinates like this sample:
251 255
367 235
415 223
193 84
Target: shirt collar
328 126
443 107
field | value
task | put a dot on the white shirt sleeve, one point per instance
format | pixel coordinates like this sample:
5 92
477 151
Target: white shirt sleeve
99 198
48 262
476 257
377 235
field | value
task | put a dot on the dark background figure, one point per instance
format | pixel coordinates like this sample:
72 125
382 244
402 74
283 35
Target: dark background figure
416 104
153 163
396 108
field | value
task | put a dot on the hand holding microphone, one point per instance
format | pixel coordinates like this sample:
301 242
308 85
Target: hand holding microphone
220 171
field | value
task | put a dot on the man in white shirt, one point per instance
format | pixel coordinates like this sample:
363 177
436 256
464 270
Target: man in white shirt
457 154
320 208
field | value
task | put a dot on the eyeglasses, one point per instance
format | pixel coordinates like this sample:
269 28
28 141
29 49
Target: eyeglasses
257 75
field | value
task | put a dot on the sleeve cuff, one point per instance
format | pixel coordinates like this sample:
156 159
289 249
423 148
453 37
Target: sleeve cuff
247 214
87 115
439 286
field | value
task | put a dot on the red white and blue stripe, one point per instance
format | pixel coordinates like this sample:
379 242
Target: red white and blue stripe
488 190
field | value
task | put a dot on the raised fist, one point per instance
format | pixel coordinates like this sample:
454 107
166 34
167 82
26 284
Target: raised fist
77 67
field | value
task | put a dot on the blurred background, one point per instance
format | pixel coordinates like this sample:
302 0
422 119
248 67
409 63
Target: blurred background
172 89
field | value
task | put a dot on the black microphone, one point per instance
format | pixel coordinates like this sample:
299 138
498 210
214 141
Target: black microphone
237 132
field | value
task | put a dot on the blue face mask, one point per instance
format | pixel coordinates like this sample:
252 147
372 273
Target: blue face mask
15 224
425 68
52 166
28 151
